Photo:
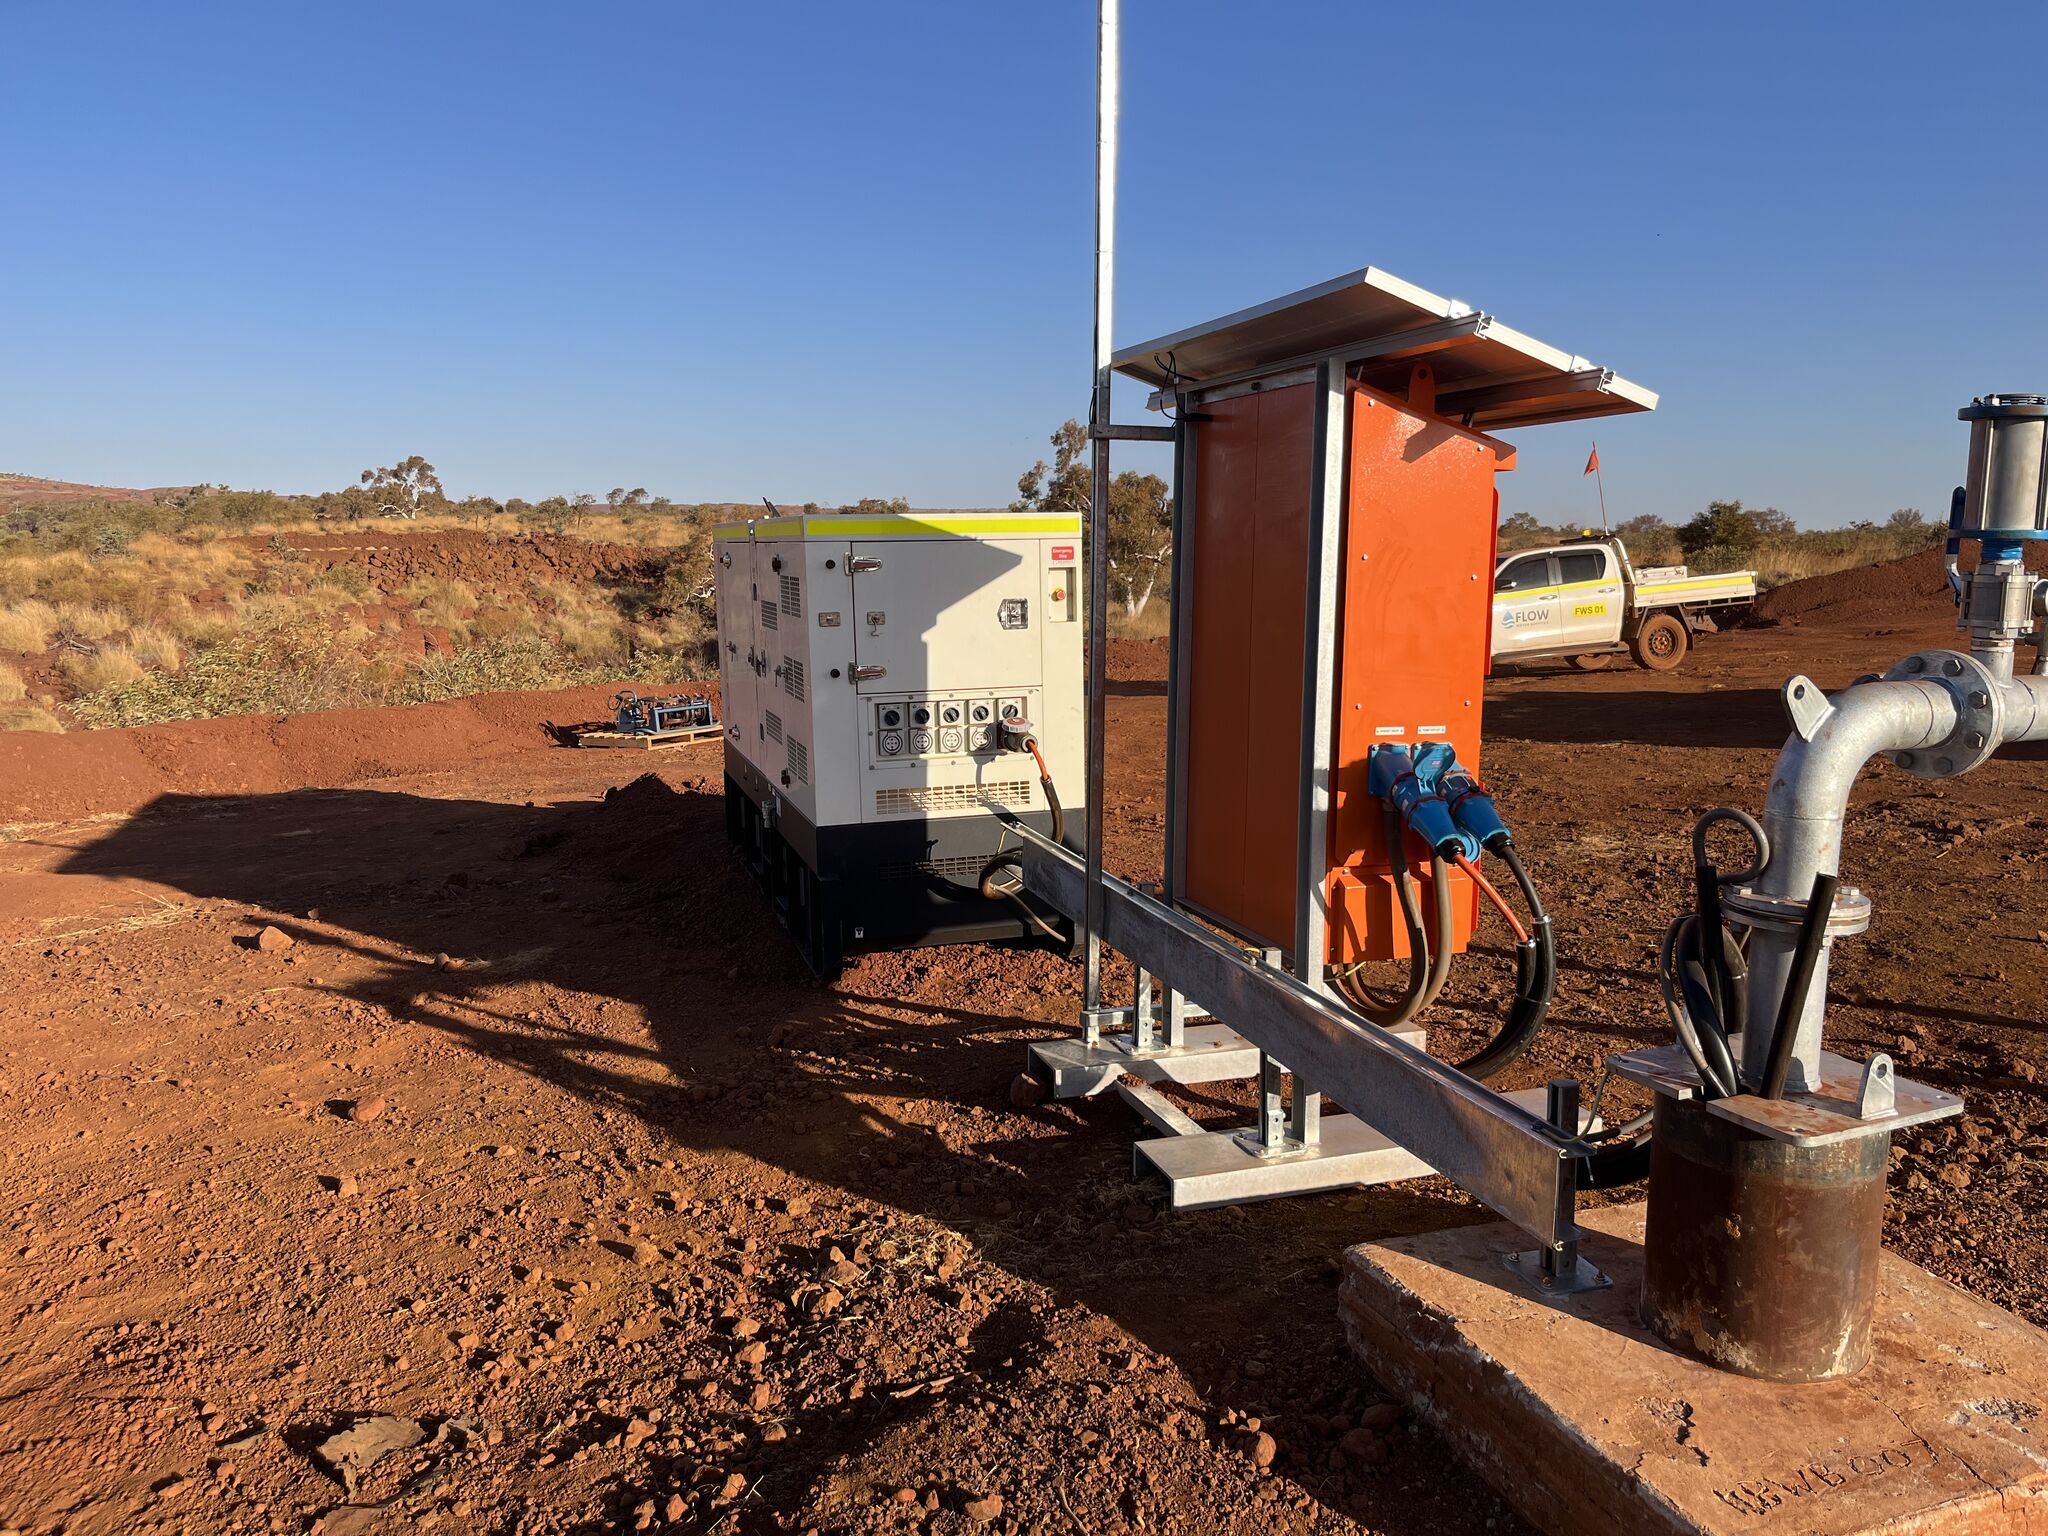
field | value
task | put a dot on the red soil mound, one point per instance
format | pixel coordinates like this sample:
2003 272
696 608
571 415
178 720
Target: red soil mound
53 777
1906 590
1901 592
485 561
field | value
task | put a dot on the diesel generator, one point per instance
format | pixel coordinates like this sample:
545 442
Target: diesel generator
899 691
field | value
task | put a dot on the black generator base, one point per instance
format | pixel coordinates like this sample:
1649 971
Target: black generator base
875 886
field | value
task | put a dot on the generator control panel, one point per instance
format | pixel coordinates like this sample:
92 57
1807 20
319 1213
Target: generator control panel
948 727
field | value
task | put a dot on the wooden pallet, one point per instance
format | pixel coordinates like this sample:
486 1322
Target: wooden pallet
648 741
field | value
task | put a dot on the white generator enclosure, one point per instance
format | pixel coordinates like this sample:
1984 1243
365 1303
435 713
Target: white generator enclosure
868 664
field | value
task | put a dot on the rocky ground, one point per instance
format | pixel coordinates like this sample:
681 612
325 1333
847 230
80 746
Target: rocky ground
459 1144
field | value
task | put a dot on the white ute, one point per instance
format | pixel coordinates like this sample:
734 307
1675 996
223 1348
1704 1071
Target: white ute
1586 602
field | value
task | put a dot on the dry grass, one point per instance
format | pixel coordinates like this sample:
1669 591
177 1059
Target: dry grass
181 627
82 621
440 603
12 688
27 625
155 648
28 717
1149 623
109 667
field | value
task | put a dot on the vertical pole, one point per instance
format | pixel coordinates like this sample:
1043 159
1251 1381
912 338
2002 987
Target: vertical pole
1098 494
1176 687
1321 598
1176 680
1600 485
1561 1264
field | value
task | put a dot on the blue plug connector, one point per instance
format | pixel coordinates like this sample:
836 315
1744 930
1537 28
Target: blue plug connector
1410 781
1471 805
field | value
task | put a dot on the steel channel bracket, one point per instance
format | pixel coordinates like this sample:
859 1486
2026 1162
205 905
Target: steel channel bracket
1491 1147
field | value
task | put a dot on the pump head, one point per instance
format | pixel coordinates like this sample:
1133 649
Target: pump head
2007 488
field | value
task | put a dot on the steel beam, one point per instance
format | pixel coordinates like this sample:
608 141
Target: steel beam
1497 1151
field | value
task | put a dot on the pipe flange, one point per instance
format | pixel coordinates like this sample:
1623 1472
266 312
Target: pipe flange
1747 907
1980 713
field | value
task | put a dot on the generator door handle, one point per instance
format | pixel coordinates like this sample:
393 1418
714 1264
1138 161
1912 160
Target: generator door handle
863 563
867 674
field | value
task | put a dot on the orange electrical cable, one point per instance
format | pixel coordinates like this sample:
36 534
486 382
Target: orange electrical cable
1492 895
1038 756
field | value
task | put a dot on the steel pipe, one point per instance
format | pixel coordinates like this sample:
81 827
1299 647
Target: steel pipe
1809 798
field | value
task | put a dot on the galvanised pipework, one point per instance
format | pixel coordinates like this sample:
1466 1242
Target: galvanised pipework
1936 715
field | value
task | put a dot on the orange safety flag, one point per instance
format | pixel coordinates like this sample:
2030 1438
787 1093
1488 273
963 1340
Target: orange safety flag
1592 461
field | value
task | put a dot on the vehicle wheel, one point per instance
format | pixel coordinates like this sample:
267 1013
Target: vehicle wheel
1661 643
1596 662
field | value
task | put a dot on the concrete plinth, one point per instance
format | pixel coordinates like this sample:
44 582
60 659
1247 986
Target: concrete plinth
1587 1423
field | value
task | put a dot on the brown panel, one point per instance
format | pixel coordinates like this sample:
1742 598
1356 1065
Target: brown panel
1249 530
1218 682
1279 585
1417 601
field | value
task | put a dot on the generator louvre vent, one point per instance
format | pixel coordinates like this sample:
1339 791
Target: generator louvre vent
799 760
950 797
773 726
793 678
966 867
793 596
768 620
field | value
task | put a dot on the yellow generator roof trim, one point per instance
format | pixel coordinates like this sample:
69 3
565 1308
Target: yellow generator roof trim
902 526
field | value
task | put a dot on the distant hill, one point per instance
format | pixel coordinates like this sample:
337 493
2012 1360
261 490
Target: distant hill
21 490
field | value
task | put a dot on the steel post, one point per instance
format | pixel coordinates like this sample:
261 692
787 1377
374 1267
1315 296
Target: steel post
1098 494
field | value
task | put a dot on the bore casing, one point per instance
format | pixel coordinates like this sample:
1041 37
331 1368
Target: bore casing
1760 1256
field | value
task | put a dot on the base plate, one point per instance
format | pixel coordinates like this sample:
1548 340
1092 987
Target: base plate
1586 1422
1209 1168
1804 1119
1213 1053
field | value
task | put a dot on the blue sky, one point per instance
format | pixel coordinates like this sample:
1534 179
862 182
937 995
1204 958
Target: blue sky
826 251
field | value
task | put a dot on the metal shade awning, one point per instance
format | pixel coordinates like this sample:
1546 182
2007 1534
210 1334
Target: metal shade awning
1487 374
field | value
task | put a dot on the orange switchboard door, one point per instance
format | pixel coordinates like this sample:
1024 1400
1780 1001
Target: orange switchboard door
1417 612
1247 527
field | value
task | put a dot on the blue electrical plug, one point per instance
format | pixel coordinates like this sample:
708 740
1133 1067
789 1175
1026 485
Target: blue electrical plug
1471 806
1410 782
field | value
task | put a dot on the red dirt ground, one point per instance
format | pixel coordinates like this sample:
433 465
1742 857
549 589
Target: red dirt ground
653 1232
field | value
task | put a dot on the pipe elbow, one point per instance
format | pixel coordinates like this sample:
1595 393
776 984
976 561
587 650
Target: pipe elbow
1810 785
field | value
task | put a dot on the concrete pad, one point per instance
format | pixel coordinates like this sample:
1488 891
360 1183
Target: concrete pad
1587 1423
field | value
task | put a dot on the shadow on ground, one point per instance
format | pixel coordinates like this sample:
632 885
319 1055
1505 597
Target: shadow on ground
637 900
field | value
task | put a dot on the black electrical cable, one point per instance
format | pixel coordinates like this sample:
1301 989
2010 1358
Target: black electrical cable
1702 970
1440 961
1704 976
1535 976
1411 1001
1014 890
1820 906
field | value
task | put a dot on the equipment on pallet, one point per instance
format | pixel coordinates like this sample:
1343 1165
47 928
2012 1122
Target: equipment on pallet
653 717
882 675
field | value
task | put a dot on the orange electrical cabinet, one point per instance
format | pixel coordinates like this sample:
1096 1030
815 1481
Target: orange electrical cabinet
1414 618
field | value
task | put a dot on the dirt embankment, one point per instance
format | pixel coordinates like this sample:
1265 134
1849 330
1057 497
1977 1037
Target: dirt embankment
487 562
1911 591
53 777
